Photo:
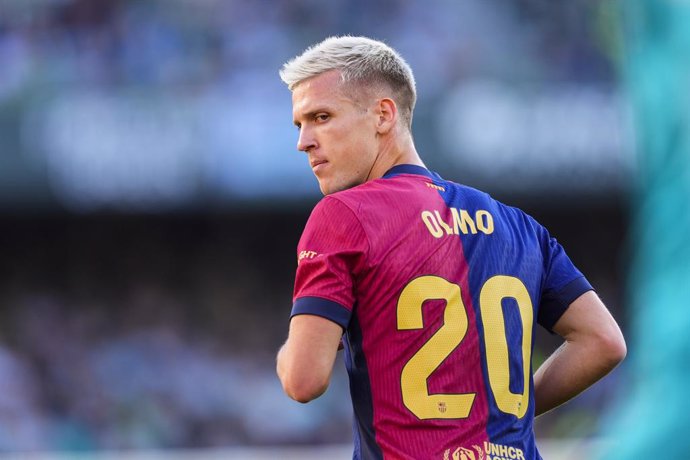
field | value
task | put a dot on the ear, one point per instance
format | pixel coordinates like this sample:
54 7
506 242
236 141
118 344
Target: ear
387 113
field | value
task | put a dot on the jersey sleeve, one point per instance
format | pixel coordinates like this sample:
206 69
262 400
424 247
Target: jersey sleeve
330 254
562 284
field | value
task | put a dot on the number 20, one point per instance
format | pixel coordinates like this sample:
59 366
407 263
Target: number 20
429 357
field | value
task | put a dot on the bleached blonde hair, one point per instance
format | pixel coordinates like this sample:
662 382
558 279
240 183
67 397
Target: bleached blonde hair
363 63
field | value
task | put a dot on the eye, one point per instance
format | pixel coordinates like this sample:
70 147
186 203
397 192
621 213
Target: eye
321 117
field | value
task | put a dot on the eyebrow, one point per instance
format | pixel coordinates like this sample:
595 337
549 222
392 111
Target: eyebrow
312 114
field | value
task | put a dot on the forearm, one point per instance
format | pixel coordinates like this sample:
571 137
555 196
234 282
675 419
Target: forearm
593 346
570 370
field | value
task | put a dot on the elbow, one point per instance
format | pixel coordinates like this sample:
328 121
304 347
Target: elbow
612 348
304 388
620 350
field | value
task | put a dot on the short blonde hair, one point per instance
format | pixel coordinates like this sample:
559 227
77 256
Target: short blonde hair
360 60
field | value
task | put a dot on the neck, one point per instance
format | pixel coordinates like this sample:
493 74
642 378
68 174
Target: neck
395 150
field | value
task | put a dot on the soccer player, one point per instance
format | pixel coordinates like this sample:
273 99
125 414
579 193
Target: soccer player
436 286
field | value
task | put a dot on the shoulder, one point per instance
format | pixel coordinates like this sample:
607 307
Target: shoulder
356 201
333 222
471 197
333 209
514 218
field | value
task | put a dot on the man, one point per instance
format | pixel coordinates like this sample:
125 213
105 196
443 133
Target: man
436 286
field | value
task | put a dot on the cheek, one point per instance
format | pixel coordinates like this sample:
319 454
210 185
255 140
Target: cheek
353 149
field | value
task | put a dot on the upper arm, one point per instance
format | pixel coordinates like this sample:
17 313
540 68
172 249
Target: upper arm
331 253
572 309
561 284
587 320
306 361
315 339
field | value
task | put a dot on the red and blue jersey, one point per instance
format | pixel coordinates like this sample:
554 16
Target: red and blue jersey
439 288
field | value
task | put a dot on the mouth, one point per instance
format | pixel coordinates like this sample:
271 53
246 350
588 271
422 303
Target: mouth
317 164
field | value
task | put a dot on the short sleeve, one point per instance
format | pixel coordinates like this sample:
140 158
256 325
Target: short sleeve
330 255
562 284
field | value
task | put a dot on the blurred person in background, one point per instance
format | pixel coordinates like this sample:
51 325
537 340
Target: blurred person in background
436 286
652 418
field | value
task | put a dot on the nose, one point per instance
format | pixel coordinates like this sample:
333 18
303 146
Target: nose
305 141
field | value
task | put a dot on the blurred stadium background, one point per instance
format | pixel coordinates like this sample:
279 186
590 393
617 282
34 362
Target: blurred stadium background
151 198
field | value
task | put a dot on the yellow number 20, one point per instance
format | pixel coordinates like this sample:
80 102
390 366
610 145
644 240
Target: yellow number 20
429 357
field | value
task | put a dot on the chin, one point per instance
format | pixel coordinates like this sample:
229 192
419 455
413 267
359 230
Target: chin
327 191
329 187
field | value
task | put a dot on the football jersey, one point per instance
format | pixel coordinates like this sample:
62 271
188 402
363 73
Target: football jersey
438 288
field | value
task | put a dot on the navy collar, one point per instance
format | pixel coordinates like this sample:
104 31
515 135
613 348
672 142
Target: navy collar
410 169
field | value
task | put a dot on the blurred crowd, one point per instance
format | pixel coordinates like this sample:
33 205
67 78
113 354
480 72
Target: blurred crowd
190 44
77 380
87 86
153 334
